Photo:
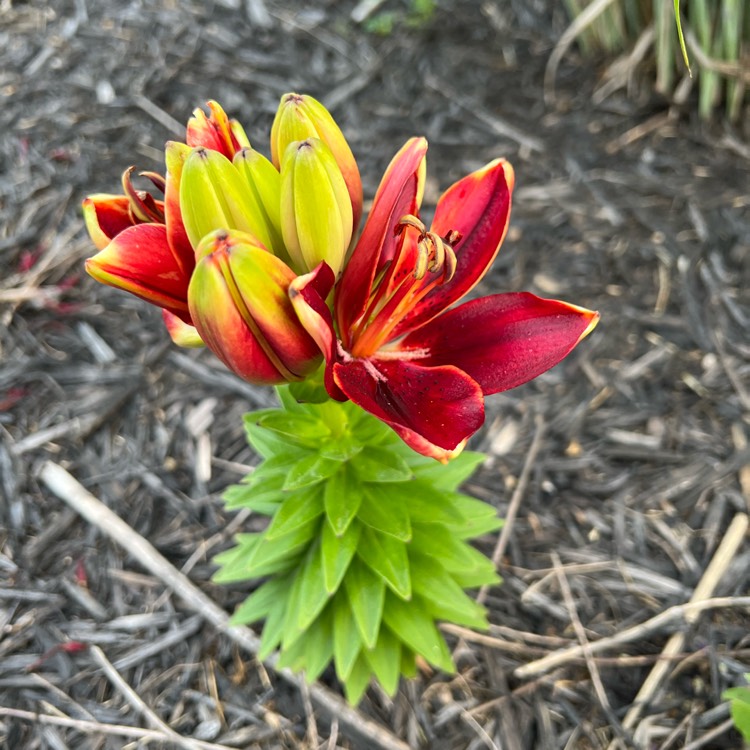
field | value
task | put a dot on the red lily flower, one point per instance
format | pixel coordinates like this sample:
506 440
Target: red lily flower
403 353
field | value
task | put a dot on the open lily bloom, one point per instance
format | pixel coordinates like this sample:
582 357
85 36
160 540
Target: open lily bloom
398 347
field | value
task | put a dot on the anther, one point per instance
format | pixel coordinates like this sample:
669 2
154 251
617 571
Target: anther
434 253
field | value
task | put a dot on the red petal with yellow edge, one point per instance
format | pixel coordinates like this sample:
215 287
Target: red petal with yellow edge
106 216
140 261
222 327
216 131
478 207
400 193
433 409
180 332
503 340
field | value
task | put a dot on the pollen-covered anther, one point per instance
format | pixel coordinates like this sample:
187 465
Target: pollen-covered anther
434 253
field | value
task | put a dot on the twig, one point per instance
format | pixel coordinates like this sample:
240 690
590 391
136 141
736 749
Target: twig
137 703
717 731
580 631
637 632
515 500
706 586
68 489
95 727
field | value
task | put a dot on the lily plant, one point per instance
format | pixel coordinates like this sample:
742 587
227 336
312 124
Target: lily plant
381 371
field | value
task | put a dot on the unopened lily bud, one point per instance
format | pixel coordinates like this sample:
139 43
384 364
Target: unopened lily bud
316 213
239 303
300 117
263 180
216 131
213 195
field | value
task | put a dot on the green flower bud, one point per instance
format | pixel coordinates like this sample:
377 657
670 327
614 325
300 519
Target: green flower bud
264 182
240 306
300 117
316 213
213 195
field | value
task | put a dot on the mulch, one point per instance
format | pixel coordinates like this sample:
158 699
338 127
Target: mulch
623 472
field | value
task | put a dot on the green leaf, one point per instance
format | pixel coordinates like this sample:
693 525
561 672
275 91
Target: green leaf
336 553
289 402
265 442
416 628
261 601
478 517
264 498
442 597
309 391
347 640
357 681
385 511
452 553
319 645
740 709
366 594
311 595
244 545
408 663
451 475
273 630
267 557
301 426
297 509
313 651
425 504
310 470
342 498
380 465
387 557
385 660
341 449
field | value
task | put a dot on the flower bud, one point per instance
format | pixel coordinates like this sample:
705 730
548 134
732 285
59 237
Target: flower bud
316 213
216 132
300 117
213 195
264 182
239 303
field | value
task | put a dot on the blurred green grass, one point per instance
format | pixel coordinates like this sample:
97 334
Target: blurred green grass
717 39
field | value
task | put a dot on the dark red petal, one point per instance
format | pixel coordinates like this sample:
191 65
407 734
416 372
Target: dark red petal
399 193
503 340
478 207
308 294
433 409
139 261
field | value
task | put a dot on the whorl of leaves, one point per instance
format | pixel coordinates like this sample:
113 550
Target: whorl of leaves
366 548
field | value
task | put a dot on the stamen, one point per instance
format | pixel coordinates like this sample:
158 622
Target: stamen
434 253
143 207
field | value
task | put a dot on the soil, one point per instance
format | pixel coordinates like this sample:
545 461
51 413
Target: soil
624 203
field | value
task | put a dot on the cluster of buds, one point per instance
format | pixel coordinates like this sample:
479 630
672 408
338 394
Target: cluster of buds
218 249
242 254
